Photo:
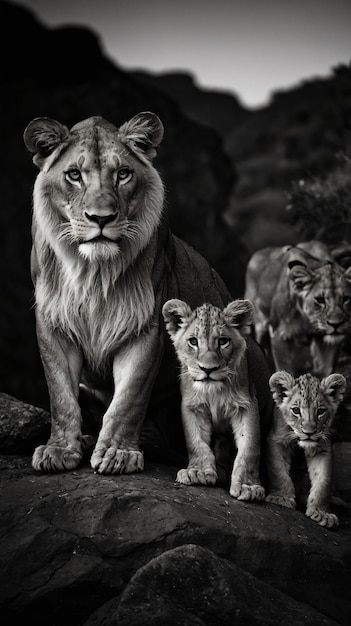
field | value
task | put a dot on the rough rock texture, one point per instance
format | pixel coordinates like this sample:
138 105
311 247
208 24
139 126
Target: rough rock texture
163 592
22 426
161 553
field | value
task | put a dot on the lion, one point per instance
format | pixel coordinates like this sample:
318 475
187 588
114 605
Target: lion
302 300
219 396
103 262
306 410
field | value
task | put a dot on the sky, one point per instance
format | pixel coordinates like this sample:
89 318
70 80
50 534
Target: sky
250 48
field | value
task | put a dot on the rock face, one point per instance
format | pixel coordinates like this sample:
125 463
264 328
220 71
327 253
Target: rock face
79 548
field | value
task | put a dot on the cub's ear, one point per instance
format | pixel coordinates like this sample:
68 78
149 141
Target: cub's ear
240 314
334 386
174 312
299 274
42 136
143 133
280 383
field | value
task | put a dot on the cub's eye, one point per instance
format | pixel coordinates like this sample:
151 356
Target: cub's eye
124 175
223 342
321 411
320 299
192 341
295 410
73 175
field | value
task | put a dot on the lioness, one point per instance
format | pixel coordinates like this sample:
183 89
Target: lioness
103 263
302 300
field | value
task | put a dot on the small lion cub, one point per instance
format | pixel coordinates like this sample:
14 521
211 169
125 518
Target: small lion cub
306 409
216 399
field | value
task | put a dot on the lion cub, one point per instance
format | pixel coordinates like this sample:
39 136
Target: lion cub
216 399
306 409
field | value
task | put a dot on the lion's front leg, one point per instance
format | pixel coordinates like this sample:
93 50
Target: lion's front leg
278 460
135 368
320 472
324 356
201 468
62 363
245 481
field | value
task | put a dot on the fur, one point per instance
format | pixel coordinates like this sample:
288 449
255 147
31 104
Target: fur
306 408
103 261
216 401
300 300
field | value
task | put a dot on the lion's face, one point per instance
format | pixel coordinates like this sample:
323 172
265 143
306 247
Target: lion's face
208 342
103 191
307 404
324 296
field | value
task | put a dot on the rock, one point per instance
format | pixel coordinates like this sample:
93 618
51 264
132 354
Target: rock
70 542
22 426
190 585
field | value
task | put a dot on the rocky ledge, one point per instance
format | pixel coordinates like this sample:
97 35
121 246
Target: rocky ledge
80 548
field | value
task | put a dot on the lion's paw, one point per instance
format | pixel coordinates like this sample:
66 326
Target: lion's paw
111 460
196 477
323 518
243 491
285 501
51 458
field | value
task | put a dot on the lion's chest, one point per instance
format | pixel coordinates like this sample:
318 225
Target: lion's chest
97 319
220 408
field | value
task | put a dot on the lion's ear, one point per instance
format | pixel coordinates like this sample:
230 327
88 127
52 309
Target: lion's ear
143 133
299 274
280 383
42 136
240 314
174 312
334 386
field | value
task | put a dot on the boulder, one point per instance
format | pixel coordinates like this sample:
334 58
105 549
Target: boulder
73 541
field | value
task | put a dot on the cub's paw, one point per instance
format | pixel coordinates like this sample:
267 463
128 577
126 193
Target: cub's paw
111 460
196 477
288 503
51 458
243 491
323 518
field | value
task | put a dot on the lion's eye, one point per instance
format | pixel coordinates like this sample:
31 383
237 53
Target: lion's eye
321 411
295 410
320 299
124 175
192 341
73 175
345 299
223 342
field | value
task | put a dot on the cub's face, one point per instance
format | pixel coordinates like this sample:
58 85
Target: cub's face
307 404
208 342
102 189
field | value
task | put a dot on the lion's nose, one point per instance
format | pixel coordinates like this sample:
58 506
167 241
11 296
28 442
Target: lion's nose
335 325
208 370
101 220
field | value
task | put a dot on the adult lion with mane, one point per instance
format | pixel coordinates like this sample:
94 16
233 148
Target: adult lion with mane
103 263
